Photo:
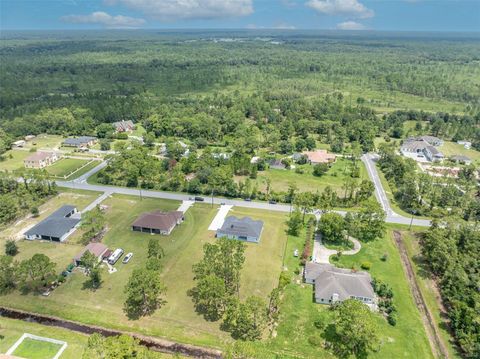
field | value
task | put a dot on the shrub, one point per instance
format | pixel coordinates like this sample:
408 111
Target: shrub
319 324
11 248
35 212
384 257
366 265
315 340
299 170
392 319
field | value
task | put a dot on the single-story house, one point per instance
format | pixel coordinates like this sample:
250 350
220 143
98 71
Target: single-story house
99 250
40 159
19 143
80 142
158 222
466 144
461 159
276 164
56 227
334 284
244 229
319 156
124 126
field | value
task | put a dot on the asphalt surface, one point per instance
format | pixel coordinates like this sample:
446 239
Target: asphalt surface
391 216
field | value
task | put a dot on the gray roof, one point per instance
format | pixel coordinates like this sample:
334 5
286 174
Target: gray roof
244 227
313 270
344 283
461 158
77 141
434 151
414 145
55 225
432 140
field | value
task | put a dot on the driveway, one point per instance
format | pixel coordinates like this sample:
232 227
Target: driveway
220 217
321 254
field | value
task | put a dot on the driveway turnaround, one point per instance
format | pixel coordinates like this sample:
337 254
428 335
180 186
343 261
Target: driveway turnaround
321 254
220 217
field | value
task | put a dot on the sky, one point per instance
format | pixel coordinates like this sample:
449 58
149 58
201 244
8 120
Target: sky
383 15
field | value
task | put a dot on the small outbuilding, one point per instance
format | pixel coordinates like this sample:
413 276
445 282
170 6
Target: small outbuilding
244 229
461 159
99 250
158 222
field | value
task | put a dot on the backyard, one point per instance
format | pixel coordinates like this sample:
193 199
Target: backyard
177 319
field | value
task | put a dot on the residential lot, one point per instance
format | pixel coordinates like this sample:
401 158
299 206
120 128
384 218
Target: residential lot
66 166
281 179
13 160
177 319
452 148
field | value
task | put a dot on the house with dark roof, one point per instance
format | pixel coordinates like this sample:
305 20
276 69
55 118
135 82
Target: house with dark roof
99 250
124 126
334 284
56 227
244 229
158 222
80 142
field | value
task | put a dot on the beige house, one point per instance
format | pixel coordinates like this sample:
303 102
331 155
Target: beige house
40 159
319 156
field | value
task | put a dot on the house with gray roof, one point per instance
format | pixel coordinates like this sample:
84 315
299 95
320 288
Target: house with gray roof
334 284
243 229
461 159
79 142
56 227
420 149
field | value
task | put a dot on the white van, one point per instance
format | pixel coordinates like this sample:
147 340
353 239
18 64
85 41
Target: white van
115 256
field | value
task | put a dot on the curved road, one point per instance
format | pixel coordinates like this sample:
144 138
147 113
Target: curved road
391 216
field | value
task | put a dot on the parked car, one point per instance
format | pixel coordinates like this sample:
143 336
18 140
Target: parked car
248 199
199 199
272 201
127 258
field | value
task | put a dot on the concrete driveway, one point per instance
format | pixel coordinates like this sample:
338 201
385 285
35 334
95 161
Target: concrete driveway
321 254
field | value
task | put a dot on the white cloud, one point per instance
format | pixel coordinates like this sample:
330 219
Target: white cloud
351 25
351 8
102 18
171 10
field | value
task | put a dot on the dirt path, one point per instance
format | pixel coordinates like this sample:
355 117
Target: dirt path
436 343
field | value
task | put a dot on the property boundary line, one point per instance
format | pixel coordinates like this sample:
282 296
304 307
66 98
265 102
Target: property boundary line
42 339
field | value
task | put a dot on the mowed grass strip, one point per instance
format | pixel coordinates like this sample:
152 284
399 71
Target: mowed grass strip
36 349
177 319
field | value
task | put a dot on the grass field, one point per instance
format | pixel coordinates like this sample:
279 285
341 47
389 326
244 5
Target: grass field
45 142
281 179
11 330
428 289
36 349
13 160
452 148
65 166
177 319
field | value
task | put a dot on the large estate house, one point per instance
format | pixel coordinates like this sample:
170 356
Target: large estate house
422 149
40 159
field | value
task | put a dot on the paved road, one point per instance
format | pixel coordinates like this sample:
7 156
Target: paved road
392 217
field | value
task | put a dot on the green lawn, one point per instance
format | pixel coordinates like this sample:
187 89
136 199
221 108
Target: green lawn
13 160
428 288
45 142
65 166
11 330
177 319
452 148
36 349
281 179
408 337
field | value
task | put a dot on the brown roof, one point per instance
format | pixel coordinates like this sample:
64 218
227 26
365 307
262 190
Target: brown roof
158 220
319 156
38 156
97 249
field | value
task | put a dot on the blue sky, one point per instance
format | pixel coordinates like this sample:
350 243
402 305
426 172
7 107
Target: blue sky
390 15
